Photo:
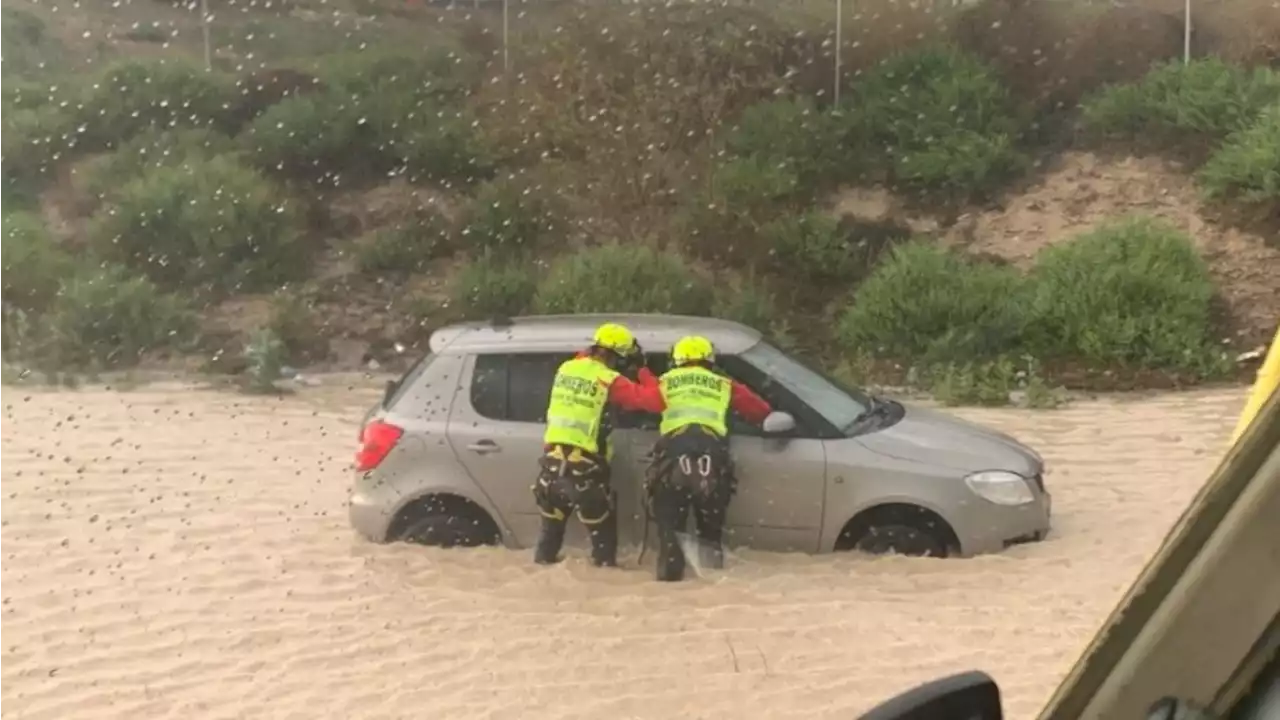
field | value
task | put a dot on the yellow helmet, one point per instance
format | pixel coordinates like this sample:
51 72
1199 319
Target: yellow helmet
615 337
693 349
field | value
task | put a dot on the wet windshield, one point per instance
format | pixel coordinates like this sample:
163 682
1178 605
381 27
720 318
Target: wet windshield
837 405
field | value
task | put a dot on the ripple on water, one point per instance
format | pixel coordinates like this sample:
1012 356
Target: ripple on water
171 552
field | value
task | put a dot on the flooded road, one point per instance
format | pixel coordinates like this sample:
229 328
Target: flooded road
171 552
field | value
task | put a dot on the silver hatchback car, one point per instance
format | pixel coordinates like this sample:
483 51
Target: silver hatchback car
449 454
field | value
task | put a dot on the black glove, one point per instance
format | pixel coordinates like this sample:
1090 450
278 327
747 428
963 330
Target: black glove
632 362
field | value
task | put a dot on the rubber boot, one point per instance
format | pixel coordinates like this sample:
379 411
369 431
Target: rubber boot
710 523
670 556
550 540
604 541
711 554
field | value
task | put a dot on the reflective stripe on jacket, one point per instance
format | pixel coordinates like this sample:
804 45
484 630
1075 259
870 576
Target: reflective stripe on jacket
695 395
578 398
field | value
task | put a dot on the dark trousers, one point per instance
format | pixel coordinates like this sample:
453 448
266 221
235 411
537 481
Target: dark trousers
571 481
691 475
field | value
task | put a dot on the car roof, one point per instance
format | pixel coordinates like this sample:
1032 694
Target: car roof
573 332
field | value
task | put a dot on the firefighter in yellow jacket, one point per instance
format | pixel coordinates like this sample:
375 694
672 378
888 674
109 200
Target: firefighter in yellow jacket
574 473
692 472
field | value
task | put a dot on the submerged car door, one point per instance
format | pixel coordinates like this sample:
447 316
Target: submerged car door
781 479
496 427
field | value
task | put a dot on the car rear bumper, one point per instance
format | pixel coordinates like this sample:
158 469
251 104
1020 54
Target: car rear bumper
369 514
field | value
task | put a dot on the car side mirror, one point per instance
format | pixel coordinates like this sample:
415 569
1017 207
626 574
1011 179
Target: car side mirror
778 422
972 695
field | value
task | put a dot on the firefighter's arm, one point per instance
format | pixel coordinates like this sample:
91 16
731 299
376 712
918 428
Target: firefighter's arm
643 396
749 405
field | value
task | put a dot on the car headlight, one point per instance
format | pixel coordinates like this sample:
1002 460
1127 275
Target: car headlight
1000 487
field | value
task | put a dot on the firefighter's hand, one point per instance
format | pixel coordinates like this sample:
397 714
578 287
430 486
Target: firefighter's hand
634 360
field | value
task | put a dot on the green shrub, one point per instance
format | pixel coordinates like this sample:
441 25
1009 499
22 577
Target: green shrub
382 112
997 382
20 94
29 48
969 383
294 321
151 149
265 356
747 300
745 193
108 317
1248 165
18 338
507 216
210 223
622 278
1132 291
751 182
937 305
33 141
134 95
794 134
404 248
315 135
36 130
34 265
443 148
939 120
148 34
490 286
1207 98
366 137
437 73
812 246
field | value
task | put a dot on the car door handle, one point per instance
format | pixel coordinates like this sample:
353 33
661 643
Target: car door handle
484 447
645 459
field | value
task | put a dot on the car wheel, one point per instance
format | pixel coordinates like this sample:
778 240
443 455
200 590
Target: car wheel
899 528
900 539
440 529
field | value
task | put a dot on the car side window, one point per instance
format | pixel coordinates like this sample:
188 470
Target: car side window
529 380
489 386
779 399
514 387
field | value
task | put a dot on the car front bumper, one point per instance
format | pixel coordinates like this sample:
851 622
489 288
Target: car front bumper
990 528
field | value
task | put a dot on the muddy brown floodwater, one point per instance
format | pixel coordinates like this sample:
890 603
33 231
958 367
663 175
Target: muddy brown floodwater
171 552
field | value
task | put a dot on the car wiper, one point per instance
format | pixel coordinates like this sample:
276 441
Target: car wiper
876 407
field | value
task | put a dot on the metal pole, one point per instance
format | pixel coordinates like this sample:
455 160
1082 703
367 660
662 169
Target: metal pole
506 58
1186 33
204 28
839 51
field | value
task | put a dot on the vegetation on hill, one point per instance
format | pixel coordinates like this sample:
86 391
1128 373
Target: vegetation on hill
620 165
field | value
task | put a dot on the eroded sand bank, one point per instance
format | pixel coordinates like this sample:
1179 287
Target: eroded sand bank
178 553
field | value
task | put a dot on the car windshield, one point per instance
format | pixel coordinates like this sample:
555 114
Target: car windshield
841 406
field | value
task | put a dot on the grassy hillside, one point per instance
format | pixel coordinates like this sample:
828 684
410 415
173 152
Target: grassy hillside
351 175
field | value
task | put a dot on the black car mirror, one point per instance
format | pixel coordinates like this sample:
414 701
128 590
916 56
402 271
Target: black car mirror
968 696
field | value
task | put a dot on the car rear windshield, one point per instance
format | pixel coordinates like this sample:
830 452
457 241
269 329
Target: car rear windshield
408 379
838 405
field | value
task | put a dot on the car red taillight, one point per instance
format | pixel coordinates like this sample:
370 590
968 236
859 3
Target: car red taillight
376 440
